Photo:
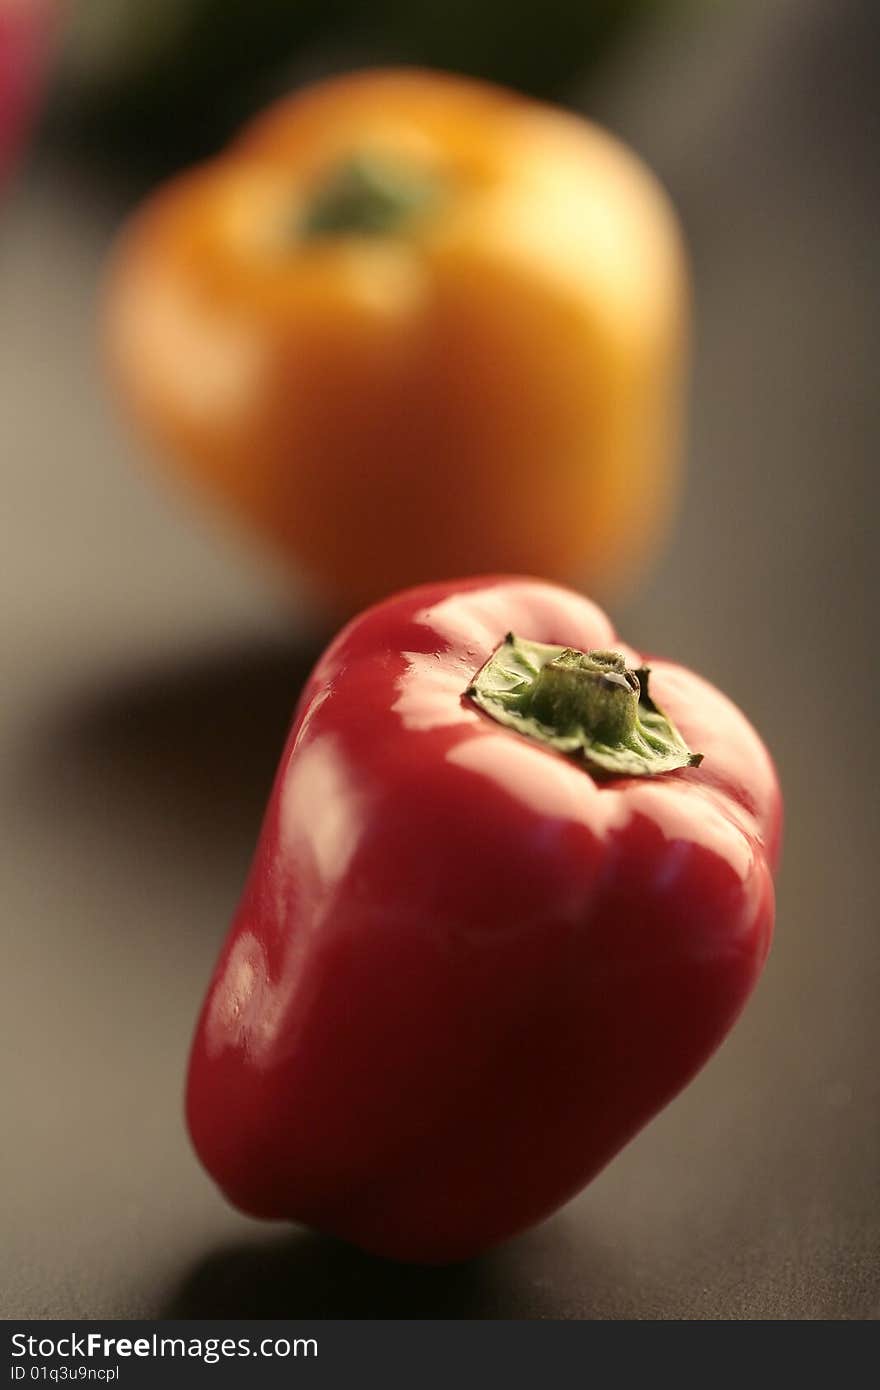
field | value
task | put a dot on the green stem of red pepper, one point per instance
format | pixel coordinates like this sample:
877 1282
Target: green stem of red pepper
588 705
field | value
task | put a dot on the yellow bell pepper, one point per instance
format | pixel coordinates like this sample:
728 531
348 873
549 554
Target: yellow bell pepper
410 325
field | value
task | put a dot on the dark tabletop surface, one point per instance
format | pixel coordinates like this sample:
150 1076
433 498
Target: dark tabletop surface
148 674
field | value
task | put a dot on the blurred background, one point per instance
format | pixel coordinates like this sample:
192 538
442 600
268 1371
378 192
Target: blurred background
151 663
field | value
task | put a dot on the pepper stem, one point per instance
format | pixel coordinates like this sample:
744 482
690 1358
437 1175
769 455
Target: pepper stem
590 690
586 704
367 195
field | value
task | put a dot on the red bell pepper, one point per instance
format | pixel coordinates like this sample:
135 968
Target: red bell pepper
25 34
499 914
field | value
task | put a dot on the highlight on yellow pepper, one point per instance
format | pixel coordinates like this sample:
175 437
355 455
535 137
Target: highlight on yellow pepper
411 325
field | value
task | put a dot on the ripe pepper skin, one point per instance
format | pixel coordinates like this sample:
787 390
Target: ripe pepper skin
508 365
463 972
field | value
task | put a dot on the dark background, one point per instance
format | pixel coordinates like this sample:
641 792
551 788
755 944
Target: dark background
149 667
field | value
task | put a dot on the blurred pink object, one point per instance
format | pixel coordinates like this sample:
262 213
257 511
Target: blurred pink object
26 27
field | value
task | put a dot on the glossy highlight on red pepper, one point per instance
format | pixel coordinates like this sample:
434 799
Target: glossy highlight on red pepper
466 968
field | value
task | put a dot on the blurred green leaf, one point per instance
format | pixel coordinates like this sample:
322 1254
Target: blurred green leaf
167 81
